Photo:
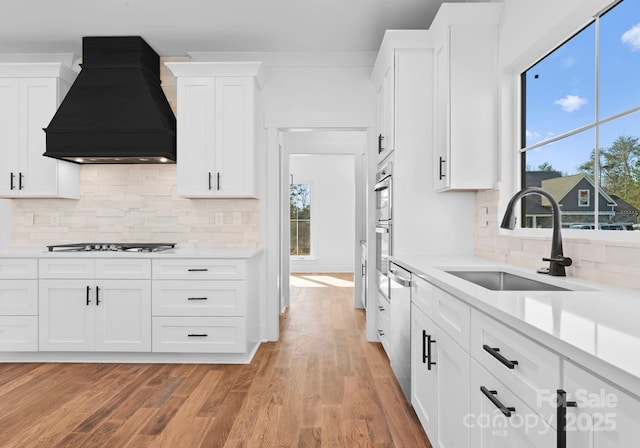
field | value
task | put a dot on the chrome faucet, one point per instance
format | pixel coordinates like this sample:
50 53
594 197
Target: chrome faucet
557 261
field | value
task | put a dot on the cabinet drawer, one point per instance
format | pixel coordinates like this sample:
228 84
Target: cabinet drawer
123 268
205 269
199 334
18 333
383 320
19 298
18 268
95 268
452 315
490 428
199 298
536 372
67 268
422 294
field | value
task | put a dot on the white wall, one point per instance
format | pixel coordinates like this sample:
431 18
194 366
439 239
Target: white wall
332 179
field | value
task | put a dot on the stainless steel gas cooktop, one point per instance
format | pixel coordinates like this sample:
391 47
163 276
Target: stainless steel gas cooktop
111 247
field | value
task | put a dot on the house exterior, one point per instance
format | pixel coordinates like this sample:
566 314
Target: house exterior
576 196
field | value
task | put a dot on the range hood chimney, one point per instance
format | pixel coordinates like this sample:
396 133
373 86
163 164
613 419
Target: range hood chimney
115 111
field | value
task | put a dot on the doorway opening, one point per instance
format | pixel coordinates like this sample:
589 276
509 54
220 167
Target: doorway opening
322 219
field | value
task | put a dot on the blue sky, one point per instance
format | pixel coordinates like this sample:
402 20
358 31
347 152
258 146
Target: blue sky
561 90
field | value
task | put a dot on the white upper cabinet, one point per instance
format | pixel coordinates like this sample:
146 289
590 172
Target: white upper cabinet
466 96
388 79
217 109
29 97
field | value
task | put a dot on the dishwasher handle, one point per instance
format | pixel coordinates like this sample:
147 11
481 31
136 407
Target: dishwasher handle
404 282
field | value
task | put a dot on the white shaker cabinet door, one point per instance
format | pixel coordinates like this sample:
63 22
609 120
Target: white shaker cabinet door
67 316
235 123
604 416
9 135
196 136
123 315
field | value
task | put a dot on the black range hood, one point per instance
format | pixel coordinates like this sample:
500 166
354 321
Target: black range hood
115 111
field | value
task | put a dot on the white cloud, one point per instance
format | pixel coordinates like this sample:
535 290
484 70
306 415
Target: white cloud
631 37
532 135
571 103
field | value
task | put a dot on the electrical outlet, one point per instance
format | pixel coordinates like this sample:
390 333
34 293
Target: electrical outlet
482 217
55 219
237 218
219 217
28 219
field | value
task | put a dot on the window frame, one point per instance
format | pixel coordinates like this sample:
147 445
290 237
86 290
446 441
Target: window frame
312 254
521 135
587 196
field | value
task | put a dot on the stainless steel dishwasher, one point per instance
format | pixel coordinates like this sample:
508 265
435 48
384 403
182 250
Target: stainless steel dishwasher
400 338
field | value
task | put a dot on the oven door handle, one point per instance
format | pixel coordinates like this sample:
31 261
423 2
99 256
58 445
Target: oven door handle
404 282
382 230
382 185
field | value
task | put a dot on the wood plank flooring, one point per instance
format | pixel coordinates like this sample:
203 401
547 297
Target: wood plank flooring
321 385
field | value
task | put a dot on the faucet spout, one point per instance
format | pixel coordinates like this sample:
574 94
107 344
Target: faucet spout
557 261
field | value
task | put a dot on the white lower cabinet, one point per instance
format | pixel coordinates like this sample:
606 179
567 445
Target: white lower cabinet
202 306
18 305
603 416
90 304
500 419
95 315
439 382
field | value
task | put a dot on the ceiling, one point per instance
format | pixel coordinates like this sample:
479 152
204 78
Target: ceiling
175 27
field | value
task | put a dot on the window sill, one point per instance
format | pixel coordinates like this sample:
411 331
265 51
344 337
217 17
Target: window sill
579 235
312 258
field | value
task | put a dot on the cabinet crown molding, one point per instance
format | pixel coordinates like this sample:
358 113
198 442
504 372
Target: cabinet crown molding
37 70
236 68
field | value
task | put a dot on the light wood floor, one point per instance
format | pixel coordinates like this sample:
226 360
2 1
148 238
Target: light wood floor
321 385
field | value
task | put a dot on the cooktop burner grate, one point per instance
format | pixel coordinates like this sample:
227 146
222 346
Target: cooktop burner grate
111 247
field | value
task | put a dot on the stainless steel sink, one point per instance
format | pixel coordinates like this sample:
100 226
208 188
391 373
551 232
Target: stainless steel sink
504 281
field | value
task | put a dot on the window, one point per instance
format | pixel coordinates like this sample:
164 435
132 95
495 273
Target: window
581 125
300 219
583 198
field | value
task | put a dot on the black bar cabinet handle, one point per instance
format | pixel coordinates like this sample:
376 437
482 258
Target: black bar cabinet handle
218 181
442 161
197 270
562 404
196 298
97 295
494 352
426 349
197 335
490 394
380 143
88 298
210 180
12 182
380 332
20 183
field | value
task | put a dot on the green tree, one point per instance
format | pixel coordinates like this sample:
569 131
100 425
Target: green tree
621 169
546 166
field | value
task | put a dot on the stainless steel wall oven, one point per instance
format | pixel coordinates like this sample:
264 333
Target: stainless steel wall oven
384 225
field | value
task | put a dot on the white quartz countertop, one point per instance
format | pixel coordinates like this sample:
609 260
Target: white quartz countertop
594 324
165 254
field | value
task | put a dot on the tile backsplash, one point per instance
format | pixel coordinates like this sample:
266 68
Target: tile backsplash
135 203
613 262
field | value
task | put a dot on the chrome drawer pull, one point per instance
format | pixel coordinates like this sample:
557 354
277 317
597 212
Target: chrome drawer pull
490 394
494 352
